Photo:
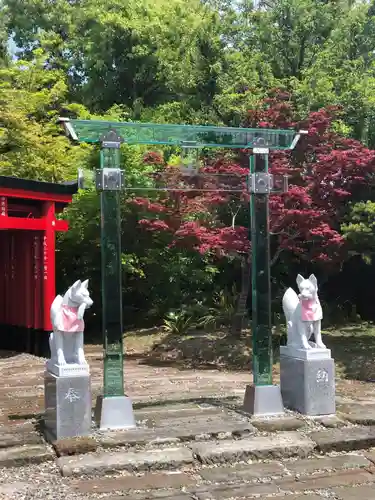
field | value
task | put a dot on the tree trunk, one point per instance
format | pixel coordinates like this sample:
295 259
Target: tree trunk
241 312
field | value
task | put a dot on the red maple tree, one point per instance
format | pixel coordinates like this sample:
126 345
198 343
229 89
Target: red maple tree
326 170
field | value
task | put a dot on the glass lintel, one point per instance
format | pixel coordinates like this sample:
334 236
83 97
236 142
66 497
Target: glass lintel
199 136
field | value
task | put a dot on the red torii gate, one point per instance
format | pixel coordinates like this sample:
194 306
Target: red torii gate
28 225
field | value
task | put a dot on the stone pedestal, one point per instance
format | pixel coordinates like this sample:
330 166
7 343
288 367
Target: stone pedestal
114 413
67 405
68 370
299 353
263 400
308 381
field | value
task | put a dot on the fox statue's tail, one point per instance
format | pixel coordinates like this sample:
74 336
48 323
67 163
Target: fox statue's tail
290 302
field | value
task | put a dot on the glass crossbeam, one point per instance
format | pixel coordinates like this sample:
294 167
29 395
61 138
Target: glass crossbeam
201 136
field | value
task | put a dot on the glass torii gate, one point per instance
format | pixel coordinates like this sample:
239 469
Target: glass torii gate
114 408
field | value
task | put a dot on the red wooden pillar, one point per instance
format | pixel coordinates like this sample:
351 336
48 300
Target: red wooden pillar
48 261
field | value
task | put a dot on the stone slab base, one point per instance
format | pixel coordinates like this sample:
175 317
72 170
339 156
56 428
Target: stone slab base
67 406
308 386
68 370
263 400
114 412
296 352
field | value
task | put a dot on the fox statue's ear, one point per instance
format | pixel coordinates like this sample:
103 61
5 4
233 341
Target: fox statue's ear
85 284
313 279
77 284
300 278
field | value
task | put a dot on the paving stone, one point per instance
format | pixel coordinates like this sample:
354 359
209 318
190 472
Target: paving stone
172 407
283 445
243 491
164 440
303 497
356 493
278 424
331 422
180 496
325 481
199 418
15 488
151 496
370 455
246 472
196 396
147 481
130 438
358 414
107 463
159 416
75 446
203 437
8 440
213 429
348 439
21 455
326 463
17 426
171 434
164 495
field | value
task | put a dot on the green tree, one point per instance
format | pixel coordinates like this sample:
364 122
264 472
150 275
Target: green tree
4 48
359 230
288 33
31 145
343 72
130 52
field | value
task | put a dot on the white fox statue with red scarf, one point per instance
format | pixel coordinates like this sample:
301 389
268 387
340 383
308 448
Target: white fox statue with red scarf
303 314
66 340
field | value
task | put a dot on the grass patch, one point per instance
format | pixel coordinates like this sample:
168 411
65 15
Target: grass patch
353 348
143 341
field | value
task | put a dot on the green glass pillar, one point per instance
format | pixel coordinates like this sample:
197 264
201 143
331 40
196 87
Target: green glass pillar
114 410
261 284
111 281
262 397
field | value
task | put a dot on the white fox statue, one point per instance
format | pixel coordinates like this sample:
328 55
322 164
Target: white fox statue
66 340
303 314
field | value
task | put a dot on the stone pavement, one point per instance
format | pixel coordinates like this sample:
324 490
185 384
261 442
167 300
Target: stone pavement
192 441
341 477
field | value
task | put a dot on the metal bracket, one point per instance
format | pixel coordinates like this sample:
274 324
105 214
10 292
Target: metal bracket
297 138
265 183
68 128
111 140
81 179
261 151
284 184
189 171
189 145
110 179
260 183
